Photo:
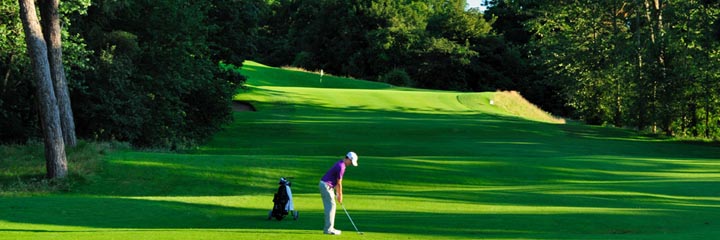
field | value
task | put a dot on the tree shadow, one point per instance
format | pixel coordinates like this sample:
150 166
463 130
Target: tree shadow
127 213
539 222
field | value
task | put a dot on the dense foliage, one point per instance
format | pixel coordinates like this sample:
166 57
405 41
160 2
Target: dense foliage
146 72
437 43
651 65
149 72
154 81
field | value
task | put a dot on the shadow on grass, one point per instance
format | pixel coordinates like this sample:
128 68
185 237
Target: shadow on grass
160 174
122 213
546 215
118 214
514 226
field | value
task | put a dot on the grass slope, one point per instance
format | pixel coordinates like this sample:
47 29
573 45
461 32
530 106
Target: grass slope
433 165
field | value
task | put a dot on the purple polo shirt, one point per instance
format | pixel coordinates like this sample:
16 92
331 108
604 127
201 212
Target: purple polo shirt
336 172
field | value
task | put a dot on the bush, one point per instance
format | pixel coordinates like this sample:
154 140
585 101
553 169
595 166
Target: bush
304 60
397 77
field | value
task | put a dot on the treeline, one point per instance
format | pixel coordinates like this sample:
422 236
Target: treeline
647 64
156 72
430 44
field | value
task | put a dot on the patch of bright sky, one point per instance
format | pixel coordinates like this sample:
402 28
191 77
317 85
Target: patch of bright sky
475 4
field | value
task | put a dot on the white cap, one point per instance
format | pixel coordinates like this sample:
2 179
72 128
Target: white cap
352 156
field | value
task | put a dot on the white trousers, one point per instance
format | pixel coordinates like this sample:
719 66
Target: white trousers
328 197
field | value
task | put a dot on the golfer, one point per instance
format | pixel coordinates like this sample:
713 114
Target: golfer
333 180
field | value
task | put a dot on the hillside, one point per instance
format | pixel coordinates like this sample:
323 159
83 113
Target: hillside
306 88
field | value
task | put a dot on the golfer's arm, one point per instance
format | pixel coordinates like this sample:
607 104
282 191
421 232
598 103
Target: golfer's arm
338 188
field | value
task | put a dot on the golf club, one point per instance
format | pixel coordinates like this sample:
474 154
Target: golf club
351 221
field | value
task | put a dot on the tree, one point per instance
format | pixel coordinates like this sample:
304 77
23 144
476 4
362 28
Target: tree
56 161
156 81
50 22
235 28
511 16
18 102
573 42
695 42
510 19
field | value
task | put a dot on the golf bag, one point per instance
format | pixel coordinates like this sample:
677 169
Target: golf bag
283 202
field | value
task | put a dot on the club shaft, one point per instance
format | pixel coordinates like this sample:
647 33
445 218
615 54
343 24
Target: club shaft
351 221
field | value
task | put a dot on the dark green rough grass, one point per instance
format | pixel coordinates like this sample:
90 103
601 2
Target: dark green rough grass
22 167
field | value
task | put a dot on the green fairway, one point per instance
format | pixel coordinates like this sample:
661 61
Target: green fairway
432 165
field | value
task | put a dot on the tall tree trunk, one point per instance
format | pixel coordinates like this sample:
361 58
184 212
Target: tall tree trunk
7 73
50 21
661 87
654 14
640 74
708 108
653 40
617 14
55 159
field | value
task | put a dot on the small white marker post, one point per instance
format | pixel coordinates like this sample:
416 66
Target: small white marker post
321 75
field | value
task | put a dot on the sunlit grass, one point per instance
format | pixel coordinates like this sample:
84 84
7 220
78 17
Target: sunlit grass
300 88
433 165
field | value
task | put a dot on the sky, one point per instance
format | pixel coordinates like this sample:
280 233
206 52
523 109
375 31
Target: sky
475 4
